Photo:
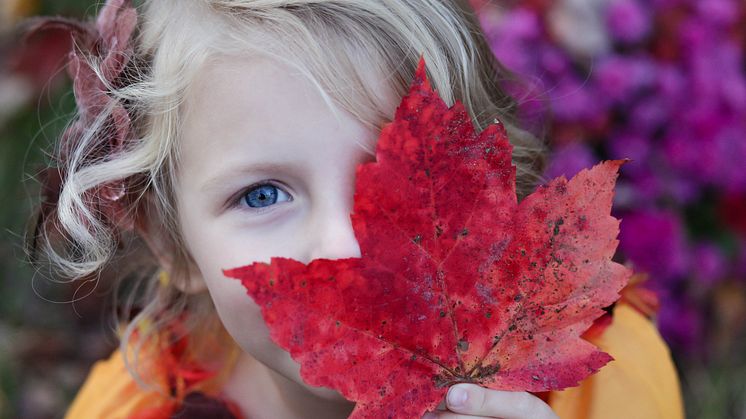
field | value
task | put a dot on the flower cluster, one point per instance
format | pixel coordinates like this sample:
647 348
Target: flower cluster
661 82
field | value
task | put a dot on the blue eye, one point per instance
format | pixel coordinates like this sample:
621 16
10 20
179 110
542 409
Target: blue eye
264 195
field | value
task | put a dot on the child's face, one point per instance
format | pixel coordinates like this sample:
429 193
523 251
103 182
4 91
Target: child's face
265 170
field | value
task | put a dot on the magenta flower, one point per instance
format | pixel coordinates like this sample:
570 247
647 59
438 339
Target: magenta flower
519 29
709 263
628 20
655 243
568 160
690 154
681 324
620 78
730 154
721 12
650 114
573 100
663 5
671 82
630 145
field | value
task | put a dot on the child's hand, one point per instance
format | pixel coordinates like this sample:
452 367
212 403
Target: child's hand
480 402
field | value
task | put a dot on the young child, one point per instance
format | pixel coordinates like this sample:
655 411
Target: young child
214 133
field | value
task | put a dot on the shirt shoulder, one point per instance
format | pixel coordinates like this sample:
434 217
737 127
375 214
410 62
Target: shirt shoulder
173 380
641 381
110 391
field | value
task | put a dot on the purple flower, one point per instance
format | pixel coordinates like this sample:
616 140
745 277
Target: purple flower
712 60
730 155
628 20
568 160
662 5
533 106
709 263
630 145
655 243
681 190
690 155
730 60
647 187
680 324
554 61
620 78
522 23
711 152
519 31
721 12
694 34
734 92
574 100
671 82
650 114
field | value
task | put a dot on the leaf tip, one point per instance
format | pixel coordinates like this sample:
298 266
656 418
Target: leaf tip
605 168
232 273
241 271
616 164
420 76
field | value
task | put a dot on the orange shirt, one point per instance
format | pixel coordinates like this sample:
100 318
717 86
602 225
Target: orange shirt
640 382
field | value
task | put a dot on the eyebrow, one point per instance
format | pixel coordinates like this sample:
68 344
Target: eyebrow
294 168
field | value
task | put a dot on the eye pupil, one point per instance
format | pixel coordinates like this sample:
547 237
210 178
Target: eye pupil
261 196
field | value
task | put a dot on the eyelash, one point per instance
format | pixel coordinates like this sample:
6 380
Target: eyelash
240 200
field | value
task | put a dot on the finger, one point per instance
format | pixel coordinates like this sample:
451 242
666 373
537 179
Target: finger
471 399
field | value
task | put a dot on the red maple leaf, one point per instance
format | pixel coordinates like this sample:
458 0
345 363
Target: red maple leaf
457 281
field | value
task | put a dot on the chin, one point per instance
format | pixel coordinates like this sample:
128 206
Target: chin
326 393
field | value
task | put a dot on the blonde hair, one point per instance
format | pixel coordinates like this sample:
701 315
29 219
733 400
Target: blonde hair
333 42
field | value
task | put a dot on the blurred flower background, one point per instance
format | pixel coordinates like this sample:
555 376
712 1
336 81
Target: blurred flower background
661 82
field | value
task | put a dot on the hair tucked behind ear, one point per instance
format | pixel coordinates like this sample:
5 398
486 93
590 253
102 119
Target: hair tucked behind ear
337 44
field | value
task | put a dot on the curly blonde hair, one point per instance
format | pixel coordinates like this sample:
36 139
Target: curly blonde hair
332 42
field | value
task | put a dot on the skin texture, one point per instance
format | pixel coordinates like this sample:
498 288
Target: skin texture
244 112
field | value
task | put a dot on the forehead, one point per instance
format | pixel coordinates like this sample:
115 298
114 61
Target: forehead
236 88
255 108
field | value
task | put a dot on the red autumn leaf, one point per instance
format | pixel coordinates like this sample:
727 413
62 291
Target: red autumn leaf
457 281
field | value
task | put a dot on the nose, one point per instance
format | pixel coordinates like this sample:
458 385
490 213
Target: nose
332 235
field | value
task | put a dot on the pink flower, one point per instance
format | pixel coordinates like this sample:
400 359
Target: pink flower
631 145
709 263
568 160
620 78
722 12
655 242
573 100
681 324
628 20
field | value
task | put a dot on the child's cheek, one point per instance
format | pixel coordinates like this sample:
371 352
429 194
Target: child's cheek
239 314
243 320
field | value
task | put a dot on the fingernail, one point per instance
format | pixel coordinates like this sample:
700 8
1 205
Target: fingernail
457 396
429 415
